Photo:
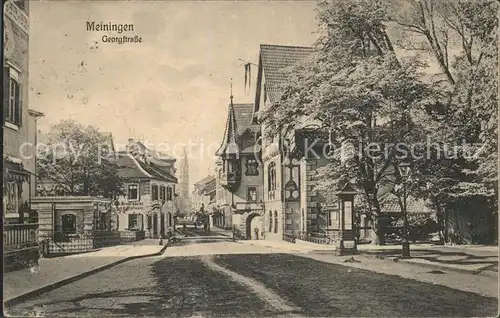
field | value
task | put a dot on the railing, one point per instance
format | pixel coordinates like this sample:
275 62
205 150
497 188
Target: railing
318 238
20 246
289 236
19 236
66 243
131 236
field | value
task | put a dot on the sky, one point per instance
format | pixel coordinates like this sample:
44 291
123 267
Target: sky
171 89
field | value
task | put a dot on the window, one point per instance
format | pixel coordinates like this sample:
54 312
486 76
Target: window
169 194
252 167
270 221
13 111
133 192
69 224
271 180
150 222
252 194
12 197
154 192
162 193
134 222
275 221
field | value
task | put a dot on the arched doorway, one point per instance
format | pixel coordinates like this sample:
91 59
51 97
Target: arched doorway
253 221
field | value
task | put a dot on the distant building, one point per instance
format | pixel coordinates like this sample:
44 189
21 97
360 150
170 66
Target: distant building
239 199
149 202
203 193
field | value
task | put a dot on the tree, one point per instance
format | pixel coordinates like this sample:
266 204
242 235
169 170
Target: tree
363 94
469 28
79 161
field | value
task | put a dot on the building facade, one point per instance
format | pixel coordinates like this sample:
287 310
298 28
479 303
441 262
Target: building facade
19 122
203 199
239 195
149 201
291 204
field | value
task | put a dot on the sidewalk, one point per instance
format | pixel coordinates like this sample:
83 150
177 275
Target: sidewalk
473 260
54 272
294 247
470 259
478 284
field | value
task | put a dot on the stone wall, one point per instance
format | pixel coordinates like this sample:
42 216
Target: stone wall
310 198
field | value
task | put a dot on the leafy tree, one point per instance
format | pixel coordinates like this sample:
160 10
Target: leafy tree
363 94
470 28
79 161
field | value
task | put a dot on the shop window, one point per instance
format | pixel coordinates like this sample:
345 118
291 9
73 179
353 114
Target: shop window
133 222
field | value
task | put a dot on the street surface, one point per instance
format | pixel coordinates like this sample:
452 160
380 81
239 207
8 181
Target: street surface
214 277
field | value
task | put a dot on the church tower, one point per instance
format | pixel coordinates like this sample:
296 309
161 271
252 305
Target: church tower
185 201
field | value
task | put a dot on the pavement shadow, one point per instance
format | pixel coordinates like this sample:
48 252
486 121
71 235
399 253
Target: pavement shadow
447 258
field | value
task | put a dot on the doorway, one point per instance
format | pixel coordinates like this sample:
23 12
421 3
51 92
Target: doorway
253 223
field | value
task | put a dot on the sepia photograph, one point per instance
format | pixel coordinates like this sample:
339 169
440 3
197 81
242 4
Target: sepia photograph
250 158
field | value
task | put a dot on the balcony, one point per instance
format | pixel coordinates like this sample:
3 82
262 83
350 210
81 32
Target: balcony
230 179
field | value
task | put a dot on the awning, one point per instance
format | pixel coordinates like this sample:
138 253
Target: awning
14 172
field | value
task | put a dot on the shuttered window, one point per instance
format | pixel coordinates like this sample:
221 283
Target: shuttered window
12 97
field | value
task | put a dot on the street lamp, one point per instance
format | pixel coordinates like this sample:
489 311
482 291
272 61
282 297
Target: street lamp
404 170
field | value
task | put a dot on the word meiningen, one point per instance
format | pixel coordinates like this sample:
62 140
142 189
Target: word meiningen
120 28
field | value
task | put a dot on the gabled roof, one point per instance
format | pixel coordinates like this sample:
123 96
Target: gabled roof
205 180
156 155
205 185
240 133
130 167
274 62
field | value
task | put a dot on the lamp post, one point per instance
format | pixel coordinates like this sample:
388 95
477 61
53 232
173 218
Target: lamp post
404 170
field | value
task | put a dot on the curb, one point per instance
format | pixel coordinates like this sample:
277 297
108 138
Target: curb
44 289
432 265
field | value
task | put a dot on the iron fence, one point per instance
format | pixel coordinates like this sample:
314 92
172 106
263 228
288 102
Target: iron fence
61 243
318 238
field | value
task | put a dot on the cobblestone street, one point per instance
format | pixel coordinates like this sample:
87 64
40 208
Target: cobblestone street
217 277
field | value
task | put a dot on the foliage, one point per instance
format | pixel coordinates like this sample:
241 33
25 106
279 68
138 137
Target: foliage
420 226
78 161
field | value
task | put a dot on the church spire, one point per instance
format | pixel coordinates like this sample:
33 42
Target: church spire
231 88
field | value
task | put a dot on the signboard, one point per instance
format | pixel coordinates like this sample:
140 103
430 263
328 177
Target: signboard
347 215
349 244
